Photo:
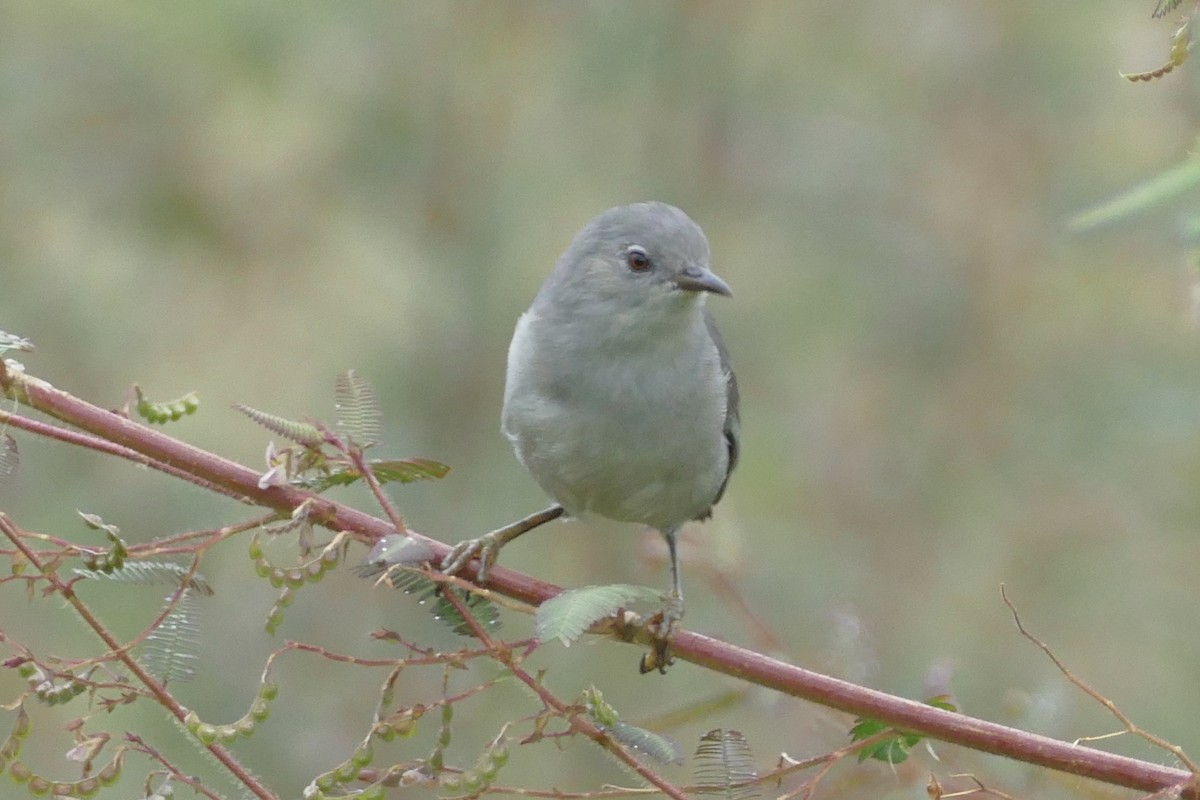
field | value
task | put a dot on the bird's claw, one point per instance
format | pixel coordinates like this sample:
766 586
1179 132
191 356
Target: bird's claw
662 630
485 548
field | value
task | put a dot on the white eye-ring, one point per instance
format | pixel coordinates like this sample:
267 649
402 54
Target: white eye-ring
636 259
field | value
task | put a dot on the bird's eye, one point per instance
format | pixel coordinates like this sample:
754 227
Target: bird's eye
637 260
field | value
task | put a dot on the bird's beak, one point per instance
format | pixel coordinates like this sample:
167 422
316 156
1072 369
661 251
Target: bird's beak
701 279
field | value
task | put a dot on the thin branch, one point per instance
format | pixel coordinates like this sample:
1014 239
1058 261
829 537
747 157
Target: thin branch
1157 741
576 720
108 448
168 608
936 791
451 657
687 645
161 695
196 785
174 545
355 454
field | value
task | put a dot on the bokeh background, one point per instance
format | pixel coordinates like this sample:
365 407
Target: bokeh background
944 388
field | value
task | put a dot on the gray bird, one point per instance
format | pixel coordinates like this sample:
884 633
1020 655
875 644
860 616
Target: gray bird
620 400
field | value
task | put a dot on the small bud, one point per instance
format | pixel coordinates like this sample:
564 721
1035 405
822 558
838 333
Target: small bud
207 733
363 755
259 710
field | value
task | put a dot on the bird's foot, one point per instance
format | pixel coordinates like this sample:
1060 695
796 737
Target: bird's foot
662 630
486 548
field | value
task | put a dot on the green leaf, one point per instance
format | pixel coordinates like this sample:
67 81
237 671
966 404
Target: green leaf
169 652
358 414
893 749
662 749
302 433
599 709
150 573
1163 188
400 470
654 745
567 616
407 470
941 701
484 611
725 765
402 557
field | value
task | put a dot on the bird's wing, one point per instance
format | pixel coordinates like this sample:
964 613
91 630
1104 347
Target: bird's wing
732 428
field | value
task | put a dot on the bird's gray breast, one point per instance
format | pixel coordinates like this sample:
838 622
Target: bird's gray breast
627 427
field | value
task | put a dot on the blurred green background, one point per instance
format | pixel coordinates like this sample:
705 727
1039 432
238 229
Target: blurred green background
943 389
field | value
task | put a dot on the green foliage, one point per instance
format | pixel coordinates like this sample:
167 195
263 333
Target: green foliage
400 470
600 710
260 709
288 579
302 433
40 786
114 557
169 652
11 748
347 772
724 765
1159 190
893 749
490 762
149 573
51 689
567 616
479 777
400 560
359 420
482 610
402 723
653 745
166 411
445 735
357 408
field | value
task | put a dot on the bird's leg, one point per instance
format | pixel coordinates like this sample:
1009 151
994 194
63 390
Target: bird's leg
659 656
487 547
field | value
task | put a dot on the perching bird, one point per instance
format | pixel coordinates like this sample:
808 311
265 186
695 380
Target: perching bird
620 400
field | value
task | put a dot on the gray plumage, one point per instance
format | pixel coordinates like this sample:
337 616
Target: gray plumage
620 400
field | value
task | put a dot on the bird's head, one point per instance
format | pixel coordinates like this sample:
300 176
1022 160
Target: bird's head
633 259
